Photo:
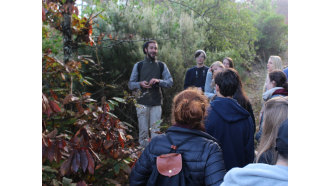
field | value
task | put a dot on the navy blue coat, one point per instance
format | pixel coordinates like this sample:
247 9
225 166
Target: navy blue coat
202 155
196 77
233 127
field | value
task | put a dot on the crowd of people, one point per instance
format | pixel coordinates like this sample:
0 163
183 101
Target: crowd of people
213 135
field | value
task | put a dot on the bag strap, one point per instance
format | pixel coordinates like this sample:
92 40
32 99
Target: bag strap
175 147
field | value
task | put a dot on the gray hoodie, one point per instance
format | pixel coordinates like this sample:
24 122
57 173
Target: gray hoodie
257 174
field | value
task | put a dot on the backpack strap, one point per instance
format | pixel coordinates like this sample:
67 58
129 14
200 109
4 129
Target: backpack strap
139 67
161 68
175 147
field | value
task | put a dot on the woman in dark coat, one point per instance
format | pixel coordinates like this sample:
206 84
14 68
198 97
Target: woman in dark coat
201 155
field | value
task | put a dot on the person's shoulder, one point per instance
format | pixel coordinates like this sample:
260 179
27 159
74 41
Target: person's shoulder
139 62
192 68
162 62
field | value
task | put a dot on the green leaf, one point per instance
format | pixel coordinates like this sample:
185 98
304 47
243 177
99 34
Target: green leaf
56 183
129 125
101 16
75 16
121 100
113 102
112 115
49 169
112 107
116 168
67 182
70 121
87 82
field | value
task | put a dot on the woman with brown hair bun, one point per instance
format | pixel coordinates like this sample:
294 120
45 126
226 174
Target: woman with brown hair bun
202 157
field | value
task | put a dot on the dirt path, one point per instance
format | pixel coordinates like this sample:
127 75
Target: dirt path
253 88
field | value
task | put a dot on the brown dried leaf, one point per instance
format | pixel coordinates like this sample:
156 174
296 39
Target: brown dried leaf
107 144
65 167
51 152
58 153
80 108
54 106
129 137
52 134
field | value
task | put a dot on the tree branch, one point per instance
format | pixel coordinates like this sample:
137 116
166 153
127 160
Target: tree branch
202 16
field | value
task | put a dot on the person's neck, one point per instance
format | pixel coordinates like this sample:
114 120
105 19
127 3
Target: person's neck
199 66
150 59
282 162
220 95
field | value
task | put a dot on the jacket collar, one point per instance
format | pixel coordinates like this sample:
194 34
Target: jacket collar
268 94
191 132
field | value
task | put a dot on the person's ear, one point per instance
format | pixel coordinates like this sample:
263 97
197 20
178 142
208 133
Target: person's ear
217 88
274 83
145 49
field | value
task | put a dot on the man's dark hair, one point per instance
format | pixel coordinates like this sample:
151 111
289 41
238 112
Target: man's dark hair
228 81
199 52
146 44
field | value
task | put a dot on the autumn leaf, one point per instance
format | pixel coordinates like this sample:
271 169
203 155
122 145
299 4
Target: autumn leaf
62 76
87 95
107 144
81 183
52 134
75 161
53 94
75 10
129 137
45 106
65 167
80 108
51 152
91 164
121 138
83 160
54 106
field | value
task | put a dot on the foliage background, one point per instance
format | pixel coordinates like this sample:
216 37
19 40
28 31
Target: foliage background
248 32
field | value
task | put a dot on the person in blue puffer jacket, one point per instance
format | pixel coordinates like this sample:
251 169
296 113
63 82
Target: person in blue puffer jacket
201 154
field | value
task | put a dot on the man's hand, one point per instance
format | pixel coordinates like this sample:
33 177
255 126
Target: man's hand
145 84
153 81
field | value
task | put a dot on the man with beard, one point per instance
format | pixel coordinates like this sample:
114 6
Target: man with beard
147 78
196 75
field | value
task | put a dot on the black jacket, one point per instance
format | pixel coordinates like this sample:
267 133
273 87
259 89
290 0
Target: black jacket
202 155
196 77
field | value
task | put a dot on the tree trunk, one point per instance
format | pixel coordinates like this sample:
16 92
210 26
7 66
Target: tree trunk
67 35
